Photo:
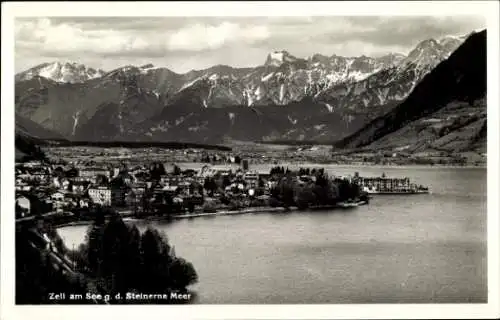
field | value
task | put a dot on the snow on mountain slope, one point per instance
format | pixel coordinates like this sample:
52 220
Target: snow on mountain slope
361 81
345 90
69 72
393 83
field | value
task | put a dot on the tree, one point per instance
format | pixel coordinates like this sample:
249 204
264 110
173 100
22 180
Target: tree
226 182
94 257
304 197
71 173
347 190
102 180
261 183
177 171
157 170
285 191
58 172
182 273
210 185
192 188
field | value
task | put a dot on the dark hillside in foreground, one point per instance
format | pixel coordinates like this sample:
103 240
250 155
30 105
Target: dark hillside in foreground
459 80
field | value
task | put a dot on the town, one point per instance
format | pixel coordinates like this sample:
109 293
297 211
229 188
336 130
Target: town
77 188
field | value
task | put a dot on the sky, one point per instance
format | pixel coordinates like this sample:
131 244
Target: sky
186 43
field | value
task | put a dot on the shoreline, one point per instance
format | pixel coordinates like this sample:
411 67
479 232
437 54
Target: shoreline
348 165
130 217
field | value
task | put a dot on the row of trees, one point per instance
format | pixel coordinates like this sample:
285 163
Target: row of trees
278 171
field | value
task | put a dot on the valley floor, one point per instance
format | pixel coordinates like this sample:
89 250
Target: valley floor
272 155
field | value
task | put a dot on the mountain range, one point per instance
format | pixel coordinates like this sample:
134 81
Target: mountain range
446 112
321 98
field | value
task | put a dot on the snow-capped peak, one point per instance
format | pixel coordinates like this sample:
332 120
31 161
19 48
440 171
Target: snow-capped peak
430 52
69 72
277 58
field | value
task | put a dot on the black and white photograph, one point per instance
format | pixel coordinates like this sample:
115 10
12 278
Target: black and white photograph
253 156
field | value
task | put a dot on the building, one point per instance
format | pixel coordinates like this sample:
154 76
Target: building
93 172
79 187
24 205
83 203
22 186
33 164
57 196
59 200
251 178
116 172
83 179
383 184
168 180
41 176
244 164
106 196
199 179
184 189
100 195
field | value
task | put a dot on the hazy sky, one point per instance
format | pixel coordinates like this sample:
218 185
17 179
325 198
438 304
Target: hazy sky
186 43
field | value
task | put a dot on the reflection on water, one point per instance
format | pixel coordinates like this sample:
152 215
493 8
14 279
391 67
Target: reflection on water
407 249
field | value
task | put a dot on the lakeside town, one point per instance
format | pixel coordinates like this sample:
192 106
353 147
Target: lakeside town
153 190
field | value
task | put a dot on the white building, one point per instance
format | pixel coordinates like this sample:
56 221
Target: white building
58 196
58 200
100 195
107 196
93 172
33 164
24 203
251 178
84 203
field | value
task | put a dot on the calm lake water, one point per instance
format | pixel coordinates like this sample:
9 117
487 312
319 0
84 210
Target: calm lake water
398 249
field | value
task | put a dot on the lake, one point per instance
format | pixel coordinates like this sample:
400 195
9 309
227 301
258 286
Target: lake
398 249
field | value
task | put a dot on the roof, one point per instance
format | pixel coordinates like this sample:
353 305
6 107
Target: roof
100 188
170 188
93 169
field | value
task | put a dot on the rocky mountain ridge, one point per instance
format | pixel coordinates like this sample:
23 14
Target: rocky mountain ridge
65 72
287 98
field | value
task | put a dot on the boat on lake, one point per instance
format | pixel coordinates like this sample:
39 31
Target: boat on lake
347 204
351 203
